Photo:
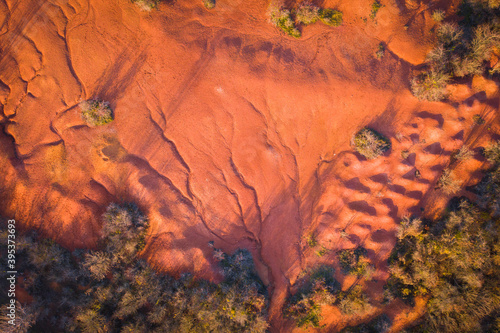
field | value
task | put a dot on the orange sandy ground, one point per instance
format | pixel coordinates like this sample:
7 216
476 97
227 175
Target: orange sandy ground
227 130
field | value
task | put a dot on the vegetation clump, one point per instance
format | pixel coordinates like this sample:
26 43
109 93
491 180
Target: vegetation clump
430 86
370 144
462 49
462 154
331 17
307 13
319 289
454 263
478 120
354 261
209 4
282 18
354 301
492 152
146 5
488 191
379 324
96 112
376 5
380 51
112 290
438 15
447 182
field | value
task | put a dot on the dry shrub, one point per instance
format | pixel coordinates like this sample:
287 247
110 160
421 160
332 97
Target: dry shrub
96 112
209 4
464 153
307 13
370 144
331 17
282 18
492 152
430 86
447 182
146 5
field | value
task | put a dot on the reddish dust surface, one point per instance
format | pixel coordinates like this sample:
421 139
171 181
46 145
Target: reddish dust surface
227 131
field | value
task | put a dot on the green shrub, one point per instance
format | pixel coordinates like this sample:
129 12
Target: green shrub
209 4
96 112
430 86
282 18
370 144
331 17
307 13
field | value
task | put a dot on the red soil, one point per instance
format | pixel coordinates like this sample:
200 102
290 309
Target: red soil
228 131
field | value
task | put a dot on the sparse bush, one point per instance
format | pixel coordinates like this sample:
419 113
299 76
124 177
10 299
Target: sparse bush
492 152
461 50
380 324
319 289
331 17
376 5
452 263
322 251
354 261
124 232
438 15
24 319
96 112
311 240
380 51
447 182
98 264
478 120
209 4
146 5
488 191
118 292
464 153
430 86
370 144
282 18
409 227
307 13
354 302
